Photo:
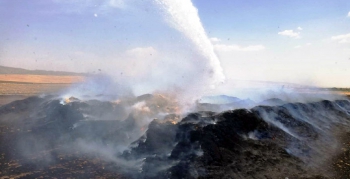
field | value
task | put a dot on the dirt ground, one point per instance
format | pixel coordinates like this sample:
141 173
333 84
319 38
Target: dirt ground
40 79
17 87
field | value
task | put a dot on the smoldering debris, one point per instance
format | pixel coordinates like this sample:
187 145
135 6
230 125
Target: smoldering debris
124 139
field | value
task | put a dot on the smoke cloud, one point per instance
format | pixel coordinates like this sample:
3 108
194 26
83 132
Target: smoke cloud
183 16
111 116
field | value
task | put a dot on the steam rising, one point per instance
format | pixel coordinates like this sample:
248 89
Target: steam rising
183 16
113 122
142 70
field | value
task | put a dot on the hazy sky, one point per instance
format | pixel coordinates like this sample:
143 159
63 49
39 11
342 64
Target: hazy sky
299 41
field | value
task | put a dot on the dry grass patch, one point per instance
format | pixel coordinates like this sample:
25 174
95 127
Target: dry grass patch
41 79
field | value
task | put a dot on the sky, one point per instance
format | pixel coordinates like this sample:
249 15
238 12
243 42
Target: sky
302 42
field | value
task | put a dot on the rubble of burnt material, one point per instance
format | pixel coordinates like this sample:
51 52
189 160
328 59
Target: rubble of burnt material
48 137
216 146
264 142
40 136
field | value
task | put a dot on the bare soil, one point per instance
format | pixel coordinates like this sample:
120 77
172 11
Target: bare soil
40 79
17 86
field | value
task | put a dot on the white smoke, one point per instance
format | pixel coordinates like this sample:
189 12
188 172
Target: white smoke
183 16
187 73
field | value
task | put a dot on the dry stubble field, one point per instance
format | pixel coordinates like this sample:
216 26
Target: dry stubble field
15 87
20 86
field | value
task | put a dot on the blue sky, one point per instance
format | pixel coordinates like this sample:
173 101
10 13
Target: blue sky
305 42
260 20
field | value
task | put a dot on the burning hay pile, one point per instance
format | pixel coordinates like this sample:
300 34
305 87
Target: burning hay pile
53 137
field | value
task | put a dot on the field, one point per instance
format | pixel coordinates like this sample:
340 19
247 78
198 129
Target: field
50 79
19 86
16 87
344 91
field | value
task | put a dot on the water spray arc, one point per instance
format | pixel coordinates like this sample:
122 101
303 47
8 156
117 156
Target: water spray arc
155 135
183 16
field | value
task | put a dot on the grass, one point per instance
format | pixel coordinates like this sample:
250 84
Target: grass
28 89
51 79
16 86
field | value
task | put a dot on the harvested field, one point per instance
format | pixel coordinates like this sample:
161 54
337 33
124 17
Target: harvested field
16 91
16 87
41 79
28 89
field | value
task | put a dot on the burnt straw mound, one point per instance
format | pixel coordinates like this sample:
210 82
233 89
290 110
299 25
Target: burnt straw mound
47 137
